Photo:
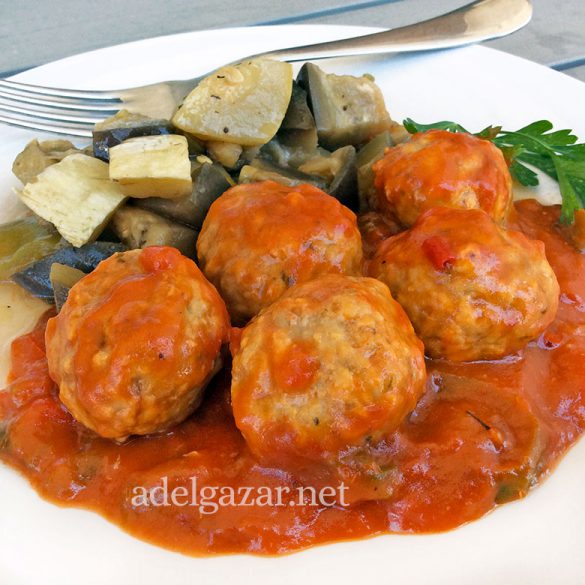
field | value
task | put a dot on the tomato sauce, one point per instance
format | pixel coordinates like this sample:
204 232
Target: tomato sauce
483 434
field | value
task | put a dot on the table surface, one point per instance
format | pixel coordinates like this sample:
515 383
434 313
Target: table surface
33 32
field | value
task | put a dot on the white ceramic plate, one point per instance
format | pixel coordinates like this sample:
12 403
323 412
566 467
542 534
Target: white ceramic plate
537 541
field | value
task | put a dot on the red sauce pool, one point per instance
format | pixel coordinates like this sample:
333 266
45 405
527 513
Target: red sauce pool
482 434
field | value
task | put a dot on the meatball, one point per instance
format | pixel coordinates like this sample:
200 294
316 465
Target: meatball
442 169
329 369
136 342
259 239
473 290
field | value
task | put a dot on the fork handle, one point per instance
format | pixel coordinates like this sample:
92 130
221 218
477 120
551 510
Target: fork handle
475 22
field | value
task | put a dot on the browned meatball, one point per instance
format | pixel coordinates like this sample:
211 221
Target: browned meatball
442 169
472 289
328 370
261 238
136 342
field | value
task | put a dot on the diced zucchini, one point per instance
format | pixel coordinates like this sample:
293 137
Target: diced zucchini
23 242
62 278
138 228
242 104
76 196
36 277
37 156
347 109
122 126
210 180
152 166
262 170
372 152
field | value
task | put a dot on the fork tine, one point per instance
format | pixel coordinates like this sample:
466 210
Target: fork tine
27 88
52 102
54 114
80 130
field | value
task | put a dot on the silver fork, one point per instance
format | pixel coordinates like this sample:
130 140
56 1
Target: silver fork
75 112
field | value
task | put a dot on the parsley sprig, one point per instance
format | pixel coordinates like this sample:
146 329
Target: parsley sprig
554 152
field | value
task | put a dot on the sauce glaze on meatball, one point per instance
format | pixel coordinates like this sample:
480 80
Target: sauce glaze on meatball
442 169
136 342
259 239
473 290
329 369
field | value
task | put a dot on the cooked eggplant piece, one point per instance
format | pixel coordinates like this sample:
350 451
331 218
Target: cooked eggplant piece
347 109
152 166
196 147
262 170
328 165
372 152
122 126
340 172
292 147
298 114
242 104
37 156
62 278
25 241
225 153
301 145
292 154
249 153
36 277
19 313
210 180
344 184
76 196
138 228
296 140
399 133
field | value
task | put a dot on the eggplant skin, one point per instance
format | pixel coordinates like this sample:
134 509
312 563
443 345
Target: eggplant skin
264 170
103 140
344 186
209 182
63 278
298 114
36 277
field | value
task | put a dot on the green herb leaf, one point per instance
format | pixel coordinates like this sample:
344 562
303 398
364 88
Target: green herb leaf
523 174
554 152
413 127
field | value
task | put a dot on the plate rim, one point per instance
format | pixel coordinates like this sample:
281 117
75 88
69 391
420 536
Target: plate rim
246 561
